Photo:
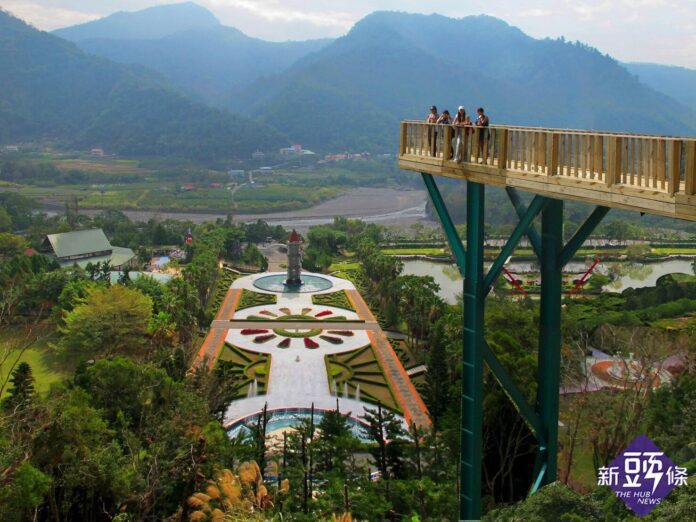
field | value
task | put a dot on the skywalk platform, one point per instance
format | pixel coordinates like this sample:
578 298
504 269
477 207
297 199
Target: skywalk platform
644 173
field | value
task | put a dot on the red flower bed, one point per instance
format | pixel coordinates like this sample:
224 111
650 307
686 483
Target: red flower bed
324 313
285 343
305 311
253 331
309 343
263 338
330 339
266 312
344 333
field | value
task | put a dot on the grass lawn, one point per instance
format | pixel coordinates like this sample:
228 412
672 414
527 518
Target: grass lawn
344 265
47 367
674 250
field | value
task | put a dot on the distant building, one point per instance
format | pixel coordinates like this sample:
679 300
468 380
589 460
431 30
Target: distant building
97 152
236 173
258 155
187 187
266 169
294 150
216 184
85 246
11 148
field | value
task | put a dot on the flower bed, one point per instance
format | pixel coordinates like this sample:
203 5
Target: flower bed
269 314
297 334
331 339
324 313
263 338
285 343
344 333
253 331
305 311
310 343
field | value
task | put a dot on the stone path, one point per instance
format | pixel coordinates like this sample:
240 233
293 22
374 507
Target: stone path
215 340
410 400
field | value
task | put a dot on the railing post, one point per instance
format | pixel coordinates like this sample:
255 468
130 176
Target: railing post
690 168
402 140
553 163
447 145
613 160
502 148
673 159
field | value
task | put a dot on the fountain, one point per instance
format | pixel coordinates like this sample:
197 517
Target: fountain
334 387
253 389
345 390
357 392
294 280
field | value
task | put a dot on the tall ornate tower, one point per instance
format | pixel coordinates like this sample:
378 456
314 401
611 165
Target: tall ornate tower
294 260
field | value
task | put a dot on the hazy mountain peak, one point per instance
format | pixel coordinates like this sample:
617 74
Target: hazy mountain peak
151 23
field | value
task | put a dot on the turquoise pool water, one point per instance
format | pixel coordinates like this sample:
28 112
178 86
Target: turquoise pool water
287 418
276 283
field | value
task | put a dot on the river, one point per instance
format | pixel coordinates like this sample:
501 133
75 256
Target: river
626 274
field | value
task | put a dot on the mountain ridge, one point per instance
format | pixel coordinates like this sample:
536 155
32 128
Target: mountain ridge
54 92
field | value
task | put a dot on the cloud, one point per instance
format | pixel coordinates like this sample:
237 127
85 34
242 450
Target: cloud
46 17
273 11
536 12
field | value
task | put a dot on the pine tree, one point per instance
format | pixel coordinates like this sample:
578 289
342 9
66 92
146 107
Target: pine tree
22 391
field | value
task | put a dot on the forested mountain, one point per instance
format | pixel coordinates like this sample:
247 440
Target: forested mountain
677 82
51 90
188 45
352 93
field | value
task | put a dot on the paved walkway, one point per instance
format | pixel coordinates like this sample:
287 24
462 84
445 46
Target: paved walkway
410 400
215 340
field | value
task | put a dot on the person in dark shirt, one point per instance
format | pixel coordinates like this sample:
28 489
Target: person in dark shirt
482 122
432 117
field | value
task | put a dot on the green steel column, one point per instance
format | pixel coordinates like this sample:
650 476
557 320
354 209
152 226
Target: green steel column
548 380
472 358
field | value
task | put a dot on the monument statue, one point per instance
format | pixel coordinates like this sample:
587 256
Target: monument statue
294 261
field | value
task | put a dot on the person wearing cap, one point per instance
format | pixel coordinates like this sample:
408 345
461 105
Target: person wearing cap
460 133
432 117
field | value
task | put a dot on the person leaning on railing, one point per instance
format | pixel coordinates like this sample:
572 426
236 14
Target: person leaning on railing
432 117
445 119
482 121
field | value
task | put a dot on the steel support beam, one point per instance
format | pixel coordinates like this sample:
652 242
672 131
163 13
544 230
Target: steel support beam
525 222
453 239
472 358
582 234
548 379
514 394
532 233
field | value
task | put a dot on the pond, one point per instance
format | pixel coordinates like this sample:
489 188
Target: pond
626 274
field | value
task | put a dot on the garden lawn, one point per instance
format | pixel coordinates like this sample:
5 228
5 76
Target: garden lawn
46 366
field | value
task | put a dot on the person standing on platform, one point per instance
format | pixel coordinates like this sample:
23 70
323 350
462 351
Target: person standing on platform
482 122
459 133
445 119
432 117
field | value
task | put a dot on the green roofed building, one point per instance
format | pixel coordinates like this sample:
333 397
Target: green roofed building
82 247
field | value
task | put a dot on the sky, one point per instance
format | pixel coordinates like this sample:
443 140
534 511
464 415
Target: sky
660 31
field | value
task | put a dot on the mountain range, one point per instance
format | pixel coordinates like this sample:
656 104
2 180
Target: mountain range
329 95
189 46
52 91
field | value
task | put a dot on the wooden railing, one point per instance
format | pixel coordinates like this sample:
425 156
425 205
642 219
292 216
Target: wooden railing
661 164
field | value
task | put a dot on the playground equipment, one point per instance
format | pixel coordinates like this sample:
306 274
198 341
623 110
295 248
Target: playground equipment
648 174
